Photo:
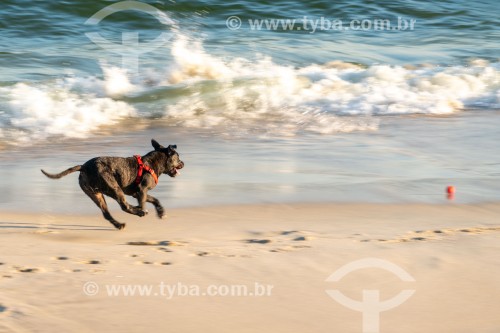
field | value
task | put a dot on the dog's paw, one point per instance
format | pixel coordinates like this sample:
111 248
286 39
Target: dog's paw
160 212
142 213
120 226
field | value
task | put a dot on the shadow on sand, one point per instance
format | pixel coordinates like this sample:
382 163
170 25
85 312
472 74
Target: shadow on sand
49 226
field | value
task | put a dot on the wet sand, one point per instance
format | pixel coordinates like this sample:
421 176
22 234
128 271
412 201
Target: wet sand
409 160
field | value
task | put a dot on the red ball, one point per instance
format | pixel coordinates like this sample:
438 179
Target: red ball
450 189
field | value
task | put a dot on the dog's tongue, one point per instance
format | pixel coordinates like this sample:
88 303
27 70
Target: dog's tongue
177 172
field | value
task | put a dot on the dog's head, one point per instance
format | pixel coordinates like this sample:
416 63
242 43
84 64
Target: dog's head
173 164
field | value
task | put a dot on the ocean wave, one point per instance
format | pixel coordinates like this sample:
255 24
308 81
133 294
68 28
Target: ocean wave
242 94
41 111
319 97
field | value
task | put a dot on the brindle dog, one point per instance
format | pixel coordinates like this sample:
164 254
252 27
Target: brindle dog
116 177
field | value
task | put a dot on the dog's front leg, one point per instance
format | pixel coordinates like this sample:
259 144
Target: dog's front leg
114 190
141 197
159 208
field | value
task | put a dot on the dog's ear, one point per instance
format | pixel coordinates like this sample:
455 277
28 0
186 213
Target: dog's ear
156 145
171 149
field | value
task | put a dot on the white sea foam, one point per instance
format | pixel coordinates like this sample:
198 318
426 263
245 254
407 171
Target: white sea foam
243 94
314 98
116 82
42 111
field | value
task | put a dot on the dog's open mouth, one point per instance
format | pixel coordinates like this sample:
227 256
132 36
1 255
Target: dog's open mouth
175 170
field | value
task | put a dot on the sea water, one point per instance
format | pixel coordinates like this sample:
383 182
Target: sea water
281 101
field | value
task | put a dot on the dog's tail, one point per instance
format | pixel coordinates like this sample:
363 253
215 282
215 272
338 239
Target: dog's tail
62 174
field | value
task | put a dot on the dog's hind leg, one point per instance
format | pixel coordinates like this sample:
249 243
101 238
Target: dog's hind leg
100 201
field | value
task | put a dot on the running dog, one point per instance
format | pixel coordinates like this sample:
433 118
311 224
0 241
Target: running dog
120 176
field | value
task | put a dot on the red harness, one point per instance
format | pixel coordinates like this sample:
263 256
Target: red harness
143 168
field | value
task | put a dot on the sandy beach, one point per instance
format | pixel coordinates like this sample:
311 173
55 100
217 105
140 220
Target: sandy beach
67 273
